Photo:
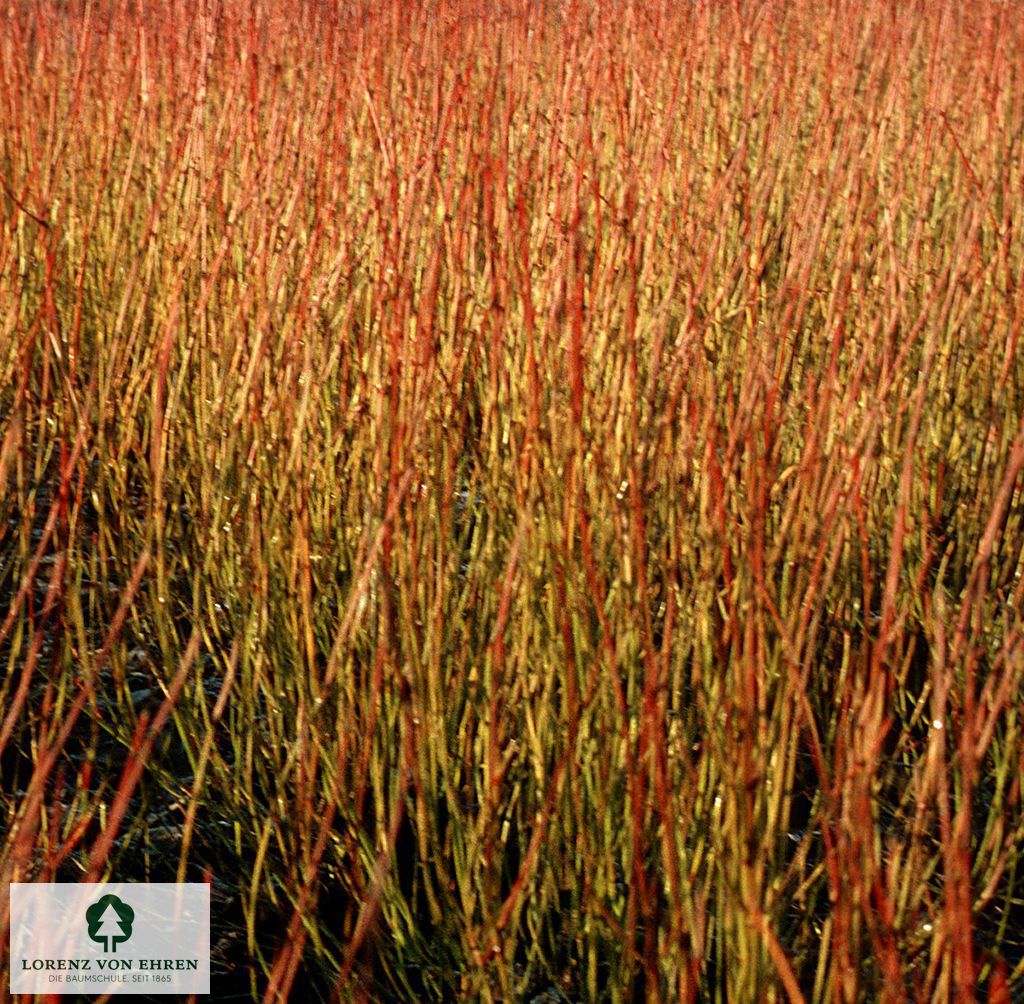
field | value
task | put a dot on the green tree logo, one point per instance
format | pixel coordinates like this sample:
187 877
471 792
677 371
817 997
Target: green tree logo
110 922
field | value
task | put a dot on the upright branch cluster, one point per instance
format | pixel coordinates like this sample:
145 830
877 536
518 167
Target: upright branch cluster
524 497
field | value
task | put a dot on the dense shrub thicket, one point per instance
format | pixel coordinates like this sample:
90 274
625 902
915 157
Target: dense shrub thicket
524 498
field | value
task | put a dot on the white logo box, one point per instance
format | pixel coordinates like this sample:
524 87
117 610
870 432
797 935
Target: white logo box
110 938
